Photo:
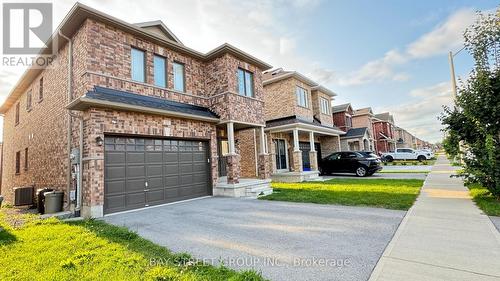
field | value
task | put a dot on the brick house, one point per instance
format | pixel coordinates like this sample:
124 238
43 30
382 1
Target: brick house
404 139
384 132
363 118
129 117
357 137
299 124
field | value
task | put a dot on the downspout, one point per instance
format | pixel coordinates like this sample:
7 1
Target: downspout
69 99
79 187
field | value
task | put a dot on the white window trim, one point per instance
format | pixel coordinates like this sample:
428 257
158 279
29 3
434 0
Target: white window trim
324 104
306 96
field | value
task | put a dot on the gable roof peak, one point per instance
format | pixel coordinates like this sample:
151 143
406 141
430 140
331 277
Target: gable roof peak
159 28
341 107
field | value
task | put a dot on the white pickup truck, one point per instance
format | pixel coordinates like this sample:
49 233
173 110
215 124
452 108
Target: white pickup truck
406 154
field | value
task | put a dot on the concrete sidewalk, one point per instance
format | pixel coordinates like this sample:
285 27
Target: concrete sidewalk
444 236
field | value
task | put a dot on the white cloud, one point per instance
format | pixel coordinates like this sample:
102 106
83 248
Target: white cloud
443 38
419 116
377 70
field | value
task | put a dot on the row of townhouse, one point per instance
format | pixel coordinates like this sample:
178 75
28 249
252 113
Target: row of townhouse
367 131
128 117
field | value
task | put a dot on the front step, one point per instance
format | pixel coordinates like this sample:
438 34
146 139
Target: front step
295 176
251 188
258 190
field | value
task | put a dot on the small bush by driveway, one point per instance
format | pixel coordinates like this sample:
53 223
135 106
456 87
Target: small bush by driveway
286 241
396 194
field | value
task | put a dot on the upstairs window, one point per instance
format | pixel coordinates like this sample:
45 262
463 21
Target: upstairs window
179 84
17 113
138 64
26 159
302 97
245 83
28 100
40 90
324 106
18 162
160 71
348 121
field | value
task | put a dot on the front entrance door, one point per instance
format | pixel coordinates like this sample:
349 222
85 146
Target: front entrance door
222 150
280 149
305 147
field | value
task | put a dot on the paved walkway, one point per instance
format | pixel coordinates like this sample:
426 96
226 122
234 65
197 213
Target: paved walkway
444 236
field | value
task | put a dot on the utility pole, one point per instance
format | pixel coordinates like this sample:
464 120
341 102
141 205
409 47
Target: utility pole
452 72
451 55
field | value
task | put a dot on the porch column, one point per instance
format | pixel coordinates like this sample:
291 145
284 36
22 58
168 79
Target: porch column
311 141
233 159
296 146
313 155
262 141
340 147
296 154
230 137
264 170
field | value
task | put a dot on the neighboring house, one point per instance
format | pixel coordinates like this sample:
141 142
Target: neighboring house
299 124
403 138
161 122
358 134
363 118
383 129
342 116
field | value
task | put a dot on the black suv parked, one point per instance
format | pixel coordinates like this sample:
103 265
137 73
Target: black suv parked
359 162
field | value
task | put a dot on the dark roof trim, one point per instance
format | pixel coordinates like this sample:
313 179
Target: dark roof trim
121 100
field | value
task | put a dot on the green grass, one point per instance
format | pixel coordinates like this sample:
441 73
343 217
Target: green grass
398 194
34 249
484 200
404 172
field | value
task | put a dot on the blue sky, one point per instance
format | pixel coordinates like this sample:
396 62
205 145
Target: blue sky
390 55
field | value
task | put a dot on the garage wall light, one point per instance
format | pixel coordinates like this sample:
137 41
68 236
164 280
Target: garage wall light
99 141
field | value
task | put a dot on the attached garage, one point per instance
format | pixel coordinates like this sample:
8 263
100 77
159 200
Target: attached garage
141 172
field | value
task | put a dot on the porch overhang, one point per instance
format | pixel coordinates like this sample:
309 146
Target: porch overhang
319 130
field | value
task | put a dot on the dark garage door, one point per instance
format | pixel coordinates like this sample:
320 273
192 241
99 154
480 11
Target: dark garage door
141 172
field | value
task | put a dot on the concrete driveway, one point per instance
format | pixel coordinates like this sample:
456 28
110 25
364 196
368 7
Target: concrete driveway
285 241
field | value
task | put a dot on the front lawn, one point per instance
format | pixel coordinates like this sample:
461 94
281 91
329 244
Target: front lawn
34 249
484 200
398 194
